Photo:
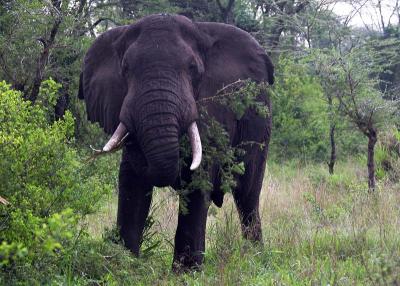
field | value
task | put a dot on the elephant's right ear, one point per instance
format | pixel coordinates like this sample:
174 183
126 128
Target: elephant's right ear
231 54
102 85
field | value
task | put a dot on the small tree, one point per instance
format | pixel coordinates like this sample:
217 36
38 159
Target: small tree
328 82
353 78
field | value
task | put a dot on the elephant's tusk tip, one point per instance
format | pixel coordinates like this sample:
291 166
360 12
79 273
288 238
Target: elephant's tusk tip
195 142
106 148
117 138
110 145
194 166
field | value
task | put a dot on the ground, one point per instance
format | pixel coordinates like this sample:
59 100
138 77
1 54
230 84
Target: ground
318 230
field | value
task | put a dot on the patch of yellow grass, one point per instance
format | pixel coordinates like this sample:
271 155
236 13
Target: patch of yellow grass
298 199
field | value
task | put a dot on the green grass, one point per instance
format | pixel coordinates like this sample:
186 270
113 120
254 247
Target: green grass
318 230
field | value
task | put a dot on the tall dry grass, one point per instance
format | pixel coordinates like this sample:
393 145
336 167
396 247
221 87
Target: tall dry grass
318 229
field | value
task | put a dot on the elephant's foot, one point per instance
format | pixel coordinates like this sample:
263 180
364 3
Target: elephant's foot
190 233
186 262
251 227
253 235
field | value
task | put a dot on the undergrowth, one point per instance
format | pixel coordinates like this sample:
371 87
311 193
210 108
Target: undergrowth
318 229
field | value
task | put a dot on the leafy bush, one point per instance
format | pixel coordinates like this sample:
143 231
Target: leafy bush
46 183
301 117
48 96
387 155
339 181
299 114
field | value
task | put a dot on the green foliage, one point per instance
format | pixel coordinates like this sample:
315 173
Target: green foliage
218 156
11 253
356 89
241 96
387 155
21 21
244 17
44 180
218 151
299 113
381 156
48 96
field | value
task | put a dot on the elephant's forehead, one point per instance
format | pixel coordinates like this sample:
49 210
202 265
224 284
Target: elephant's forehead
163 28
163 22
159 29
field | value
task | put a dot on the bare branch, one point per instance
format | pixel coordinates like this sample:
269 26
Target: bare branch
4 201
381 15
95 24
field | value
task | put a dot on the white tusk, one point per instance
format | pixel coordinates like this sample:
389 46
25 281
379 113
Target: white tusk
116 139
195 142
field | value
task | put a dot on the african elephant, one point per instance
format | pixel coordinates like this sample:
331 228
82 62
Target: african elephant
140 82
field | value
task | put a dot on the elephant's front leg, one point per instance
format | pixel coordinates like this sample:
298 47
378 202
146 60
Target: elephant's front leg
133 206
252 128
247 193
190 233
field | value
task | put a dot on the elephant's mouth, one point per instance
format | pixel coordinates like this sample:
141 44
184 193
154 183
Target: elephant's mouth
121 133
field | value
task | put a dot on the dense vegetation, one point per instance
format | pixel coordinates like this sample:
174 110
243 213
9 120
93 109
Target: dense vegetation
331 190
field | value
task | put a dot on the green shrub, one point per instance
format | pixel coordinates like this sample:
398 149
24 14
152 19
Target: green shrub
299 115
339 181
48 186
48 96
387 155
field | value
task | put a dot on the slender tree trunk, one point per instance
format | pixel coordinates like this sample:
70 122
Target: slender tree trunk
276 31
62 104
44 56
332 161
227 11
372 139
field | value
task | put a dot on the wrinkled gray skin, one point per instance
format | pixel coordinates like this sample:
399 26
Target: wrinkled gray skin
148 76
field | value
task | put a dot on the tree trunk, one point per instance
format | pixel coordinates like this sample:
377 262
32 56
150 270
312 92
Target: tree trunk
227 12
43 59
276 31
62 105
372 139
128 8
332 161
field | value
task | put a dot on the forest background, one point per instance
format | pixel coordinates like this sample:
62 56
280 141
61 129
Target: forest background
331 194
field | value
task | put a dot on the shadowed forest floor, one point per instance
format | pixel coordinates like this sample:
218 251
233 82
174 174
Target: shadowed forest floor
318 230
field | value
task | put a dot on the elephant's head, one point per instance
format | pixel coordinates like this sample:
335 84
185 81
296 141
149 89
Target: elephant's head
144 79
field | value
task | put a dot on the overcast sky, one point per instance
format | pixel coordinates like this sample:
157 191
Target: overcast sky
369 13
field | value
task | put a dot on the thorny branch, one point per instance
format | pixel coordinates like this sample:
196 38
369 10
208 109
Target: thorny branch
237 85
221 93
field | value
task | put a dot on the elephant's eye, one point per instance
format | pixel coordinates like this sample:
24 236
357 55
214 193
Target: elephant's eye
124 67
193 69
194 72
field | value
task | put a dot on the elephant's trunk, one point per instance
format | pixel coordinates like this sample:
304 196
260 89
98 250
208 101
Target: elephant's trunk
157 131
157 127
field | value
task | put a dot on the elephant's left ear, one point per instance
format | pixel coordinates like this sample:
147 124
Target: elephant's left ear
231 54
102 85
